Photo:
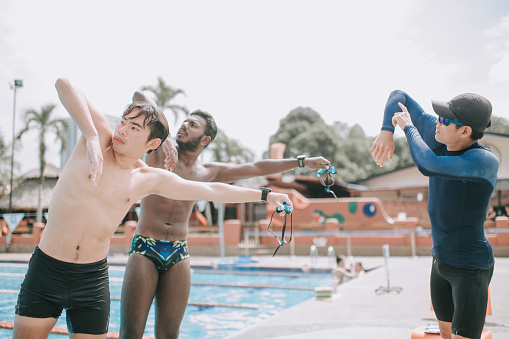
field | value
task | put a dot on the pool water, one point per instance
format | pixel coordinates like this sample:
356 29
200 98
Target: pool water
199 321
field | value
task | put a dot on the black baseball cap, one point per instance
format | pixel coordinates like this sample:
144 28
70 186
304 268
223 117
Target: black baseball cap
471 109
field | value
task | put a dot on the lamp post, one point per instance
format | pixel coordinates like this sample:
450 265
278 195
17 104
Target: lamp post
17 84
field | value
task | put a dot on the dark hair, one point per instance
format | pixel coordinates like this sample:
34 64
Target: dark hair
211 127
338 260
475 135
154 120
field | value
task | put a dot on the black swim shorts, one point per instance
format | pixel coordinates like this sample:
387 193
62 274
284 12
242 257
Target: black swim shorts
460 296
51 285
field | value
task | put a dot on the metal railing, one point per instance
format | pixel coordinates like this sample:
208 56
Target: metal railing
349 234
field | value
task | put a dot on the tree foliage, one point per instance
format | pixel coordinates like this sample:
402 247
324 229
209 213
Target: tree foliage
5 166
224 149
43 123
347 148
165 95
499 124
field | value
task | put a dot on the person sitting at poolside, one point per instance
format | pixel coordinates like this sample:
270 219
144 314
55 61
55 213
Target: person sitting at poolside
491 214
340 272
102 179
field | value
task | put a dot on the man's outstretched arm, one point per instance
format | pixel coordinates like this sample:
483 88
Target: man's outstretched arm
171 186
231 173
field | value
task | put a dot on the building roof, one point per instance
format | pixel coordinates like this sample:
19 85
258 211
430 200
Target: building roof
25 196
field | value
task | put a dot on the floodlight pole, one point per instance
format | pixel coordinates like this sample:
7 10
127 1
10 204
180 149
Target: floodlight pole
17 84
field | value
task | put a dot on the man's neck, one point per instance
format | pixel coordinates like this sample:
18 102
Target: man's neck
125 162
187 157
460 145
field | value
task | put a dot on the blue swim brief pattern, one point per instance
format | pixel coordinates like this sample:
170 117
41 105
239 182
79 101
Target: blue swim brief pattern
164 254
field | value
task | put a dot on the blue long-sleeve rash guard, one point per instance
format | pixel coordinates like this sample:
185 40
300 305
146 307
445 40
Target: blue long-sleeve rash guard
460 186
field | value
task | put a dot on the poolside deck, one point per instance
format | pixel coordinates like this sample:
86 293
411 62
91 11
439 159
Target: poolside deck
357 311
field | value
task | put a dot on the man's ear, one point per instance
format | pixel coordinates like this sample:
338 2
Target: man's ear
466 132
205 140
154 143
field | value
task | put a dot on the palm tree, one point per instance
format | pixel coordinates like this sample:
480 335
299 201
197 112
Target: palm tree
43 123
165 94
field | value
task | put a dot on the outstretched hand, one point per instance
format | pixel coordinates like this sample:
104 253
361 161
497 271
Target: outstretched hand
317 163
95 156
171 153
277 199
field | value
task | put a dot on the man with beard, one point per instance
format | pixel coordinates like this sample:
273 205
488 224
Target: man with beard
157 265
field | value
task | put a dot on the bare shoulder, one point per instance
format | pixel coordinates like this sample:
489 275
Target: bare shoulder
213 169
154 174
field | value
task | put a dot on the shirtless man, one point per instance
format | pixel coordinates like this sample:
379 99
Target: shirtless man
98 185
163 224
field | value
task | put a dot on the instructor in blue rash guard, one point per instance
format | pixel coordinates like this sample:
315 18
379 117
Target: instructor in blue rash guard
462 175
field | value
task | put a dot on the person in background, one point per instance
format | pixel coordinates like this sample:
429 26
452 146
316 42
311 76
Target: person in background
491 214
151 271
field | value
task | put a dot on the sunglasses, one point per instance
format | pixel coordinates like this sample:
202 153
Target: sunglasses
446 122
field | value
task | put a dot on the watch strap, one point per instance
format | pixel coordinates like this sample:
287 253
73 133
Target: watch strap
265 192
300 159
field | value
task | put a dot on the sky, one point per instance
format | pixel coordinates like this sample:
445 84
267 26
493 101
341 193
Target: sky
249 63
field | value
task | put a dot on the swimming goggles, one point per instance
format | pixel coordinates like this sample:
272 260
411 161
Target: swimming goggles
329 180
283 241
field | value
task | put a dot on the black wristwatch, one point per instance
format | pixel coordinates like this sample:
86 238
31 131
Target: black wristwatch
300 159
265 191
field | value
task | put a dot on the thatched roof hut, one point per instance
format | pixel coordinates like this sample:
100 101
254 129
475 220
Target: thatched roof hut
25 195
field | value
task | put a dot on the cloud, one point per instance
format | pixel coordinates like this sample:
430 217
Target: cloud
498 50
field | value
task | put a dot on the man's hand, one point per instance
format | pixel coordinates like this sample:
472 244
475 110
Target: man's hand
95 156
383 147
277 199
170 150
317 163
402 118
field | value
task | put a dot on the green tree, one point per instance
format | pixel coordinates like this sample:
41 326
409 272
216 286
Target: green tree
229 150
347 148
165 95
43 123
499 124
5 166
304 132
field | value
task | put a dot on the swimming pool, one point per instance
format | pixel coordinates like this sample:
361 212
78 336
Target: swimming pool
237 288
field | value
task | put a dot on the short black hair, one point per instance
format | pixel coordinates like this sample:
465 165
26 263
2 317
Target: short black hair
154 119
475 135
211 127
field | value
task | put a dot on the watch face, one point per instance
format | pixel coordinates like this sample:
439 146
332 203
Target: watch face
265 191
